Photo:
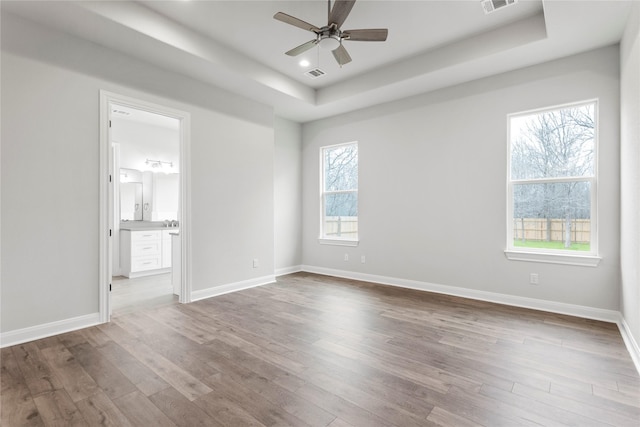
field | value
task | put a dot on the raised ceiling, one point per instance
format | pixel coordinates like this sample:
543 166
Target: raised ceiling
237 45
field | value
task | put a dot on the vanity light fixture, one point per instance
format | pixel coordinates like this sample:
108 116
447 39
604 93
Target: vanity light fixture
158 165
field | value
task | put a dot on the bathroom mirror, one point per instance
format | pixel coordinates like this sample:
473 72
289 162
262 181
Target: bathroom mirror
147 196
131 201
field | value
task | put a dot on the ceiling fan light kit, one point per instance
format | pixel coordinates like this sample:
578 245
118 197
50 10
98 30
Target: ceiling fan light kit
330 37
329 43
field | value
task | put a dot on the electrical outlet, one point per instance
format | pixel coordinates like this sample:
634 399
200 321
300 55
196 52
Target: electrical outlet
534 279
346 257
256 263
363 259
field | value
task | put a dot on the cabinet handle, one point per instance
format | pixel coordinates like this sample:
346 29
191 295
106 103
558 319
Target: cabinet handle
146 263
148 247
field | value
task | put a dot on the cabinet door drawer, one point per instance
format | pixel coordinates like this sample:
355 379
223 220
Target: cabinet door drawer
145 248
145 263
139 236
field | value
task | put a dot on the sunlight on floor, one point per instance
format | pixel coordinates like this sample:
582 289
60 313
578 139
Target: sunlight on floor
130 295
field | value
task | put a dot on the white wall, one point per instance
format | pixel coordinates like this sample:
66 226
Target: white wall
166 195
232 217
142 141
630 173
50 162
432 194
288 195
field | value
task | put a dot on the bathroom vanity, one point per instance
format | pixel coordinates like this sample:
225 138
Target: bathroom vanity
147 251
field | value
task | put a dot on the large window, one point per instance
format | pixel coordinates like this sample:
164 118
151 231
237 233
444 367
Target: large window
552 181
339 194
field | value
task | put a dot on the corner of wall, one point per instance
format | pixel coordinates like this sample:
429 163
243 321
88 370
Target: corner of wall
630 342
630 180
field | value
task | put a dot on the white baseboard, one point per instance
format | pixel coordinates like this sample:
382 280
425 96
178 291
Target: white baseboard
231 287
629 341
288 270
20 336
146 273
610 316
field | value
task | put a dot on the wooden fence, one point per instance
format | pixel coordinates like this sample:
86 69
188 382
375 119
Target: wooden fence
532 229
542 229
341 226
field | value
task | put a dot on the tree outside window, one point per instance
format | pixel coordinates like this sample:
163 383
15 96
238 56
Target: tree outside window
340 192
553 179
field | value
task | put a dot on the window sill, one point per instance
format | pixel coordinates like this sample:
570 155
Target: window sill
338 242
566 259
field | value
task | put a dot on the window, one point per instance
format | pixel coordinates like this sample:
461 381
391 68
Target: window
339 194
552 185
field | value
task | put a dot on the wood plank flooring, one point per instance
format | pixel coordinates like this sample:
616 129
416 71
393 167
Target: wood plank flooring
313 350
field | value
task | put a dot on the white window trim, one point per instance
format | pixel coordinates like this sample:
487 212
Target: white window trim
586 259
339 242
336 241
553 258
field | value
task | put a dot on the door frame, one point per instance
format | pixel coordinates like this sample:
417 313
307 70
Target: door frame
107 180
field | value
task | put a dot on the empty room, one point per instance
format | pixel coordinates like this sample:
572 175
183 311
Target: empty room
320 213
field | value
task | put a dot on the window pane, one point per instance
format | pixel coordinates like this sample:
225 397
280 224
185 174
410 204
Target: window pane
341 216
553 144
552 215
341 168
341 204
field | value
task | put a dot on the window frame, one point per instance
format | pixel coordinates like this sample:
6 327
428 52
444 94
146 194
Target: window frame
339 241
555 256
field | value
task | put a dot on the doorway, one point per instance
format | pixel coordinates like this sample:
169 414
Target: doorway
145 192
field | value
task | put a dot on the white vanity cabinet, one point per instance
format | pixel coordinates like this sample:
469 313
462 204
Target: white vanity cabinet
145 252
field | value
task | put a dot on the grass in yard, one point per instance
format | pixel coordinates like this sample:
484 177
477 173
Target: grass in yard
551 245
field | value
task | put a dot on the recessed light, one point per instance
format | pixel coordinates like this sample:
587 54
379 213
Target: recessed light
304 63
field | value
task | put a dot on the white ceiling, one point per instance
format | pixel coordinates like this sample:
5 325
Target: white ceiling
237 45
122 112
414 28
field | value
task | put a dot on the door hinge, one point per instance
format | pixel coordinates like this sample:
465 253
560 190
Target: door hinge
109 232
109 178
109 123
109 287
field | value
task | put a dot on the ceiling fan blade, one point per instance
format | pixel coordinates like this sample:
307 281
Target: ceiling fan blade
341 55
370 35
292 20
340 11
302 48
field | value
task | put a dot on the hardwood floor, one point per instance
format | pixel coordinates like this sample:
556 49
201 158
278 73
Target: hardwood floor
312 350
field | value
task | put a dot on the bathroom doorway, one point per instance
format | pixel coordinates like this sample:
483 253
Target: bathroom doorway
146 210
146 159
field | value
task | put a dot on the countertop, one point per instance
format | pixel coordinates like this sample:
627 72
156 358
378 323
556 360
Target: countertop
146 227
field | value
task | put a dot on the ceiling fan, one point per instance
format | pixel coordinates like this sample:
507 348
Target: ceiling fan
331 36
